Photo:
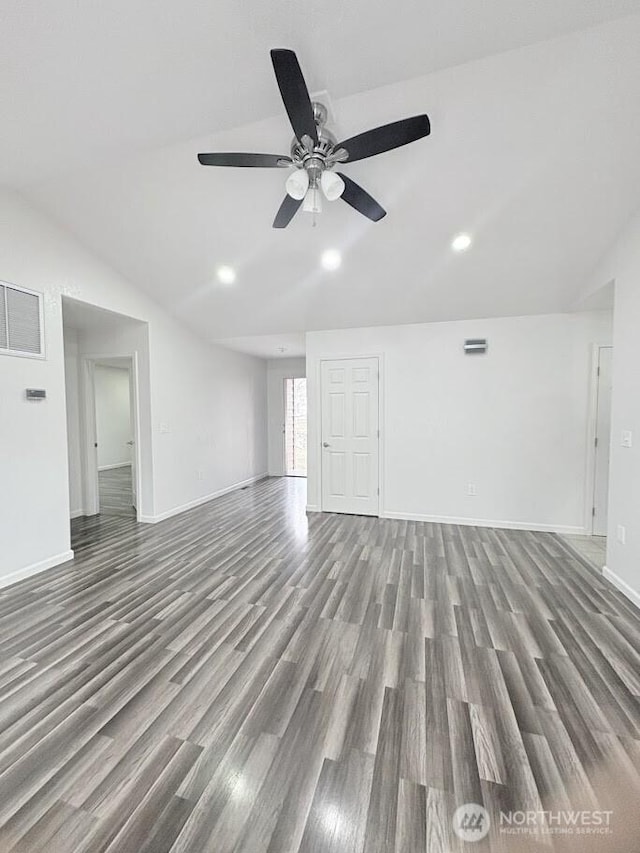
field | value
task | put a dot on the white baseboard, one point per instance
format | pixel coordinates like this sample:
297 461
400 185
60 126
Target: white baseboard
35 568
76 513
154 519
117 465
313 508
623 586
483 522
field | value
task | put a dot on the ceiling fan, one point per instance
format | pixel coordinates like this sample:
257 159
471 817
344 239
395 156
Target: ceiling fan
315 152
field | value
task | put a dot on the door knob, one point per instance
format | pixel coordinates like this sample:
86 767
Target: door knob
326 444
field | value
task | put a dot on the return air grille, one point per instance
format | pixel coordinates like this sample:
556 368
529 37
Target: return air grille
20 321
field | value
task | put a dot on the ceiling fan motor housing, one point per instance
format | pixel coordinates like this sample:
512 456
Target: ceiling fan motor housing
315 160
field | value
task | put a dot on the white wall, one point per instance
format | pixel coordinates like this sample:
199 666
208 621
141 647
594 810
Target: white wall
278 369
514 421
213 401
622 264
113 416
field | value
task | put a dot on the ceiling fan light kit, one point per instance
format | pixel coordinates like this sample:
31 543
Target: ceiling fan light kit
297 184
315 153
332 185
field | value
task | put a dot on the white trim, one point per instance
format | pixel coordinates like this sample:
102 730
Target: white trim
484 522
313 508
76 513
115 465
154 519
622 586
35 568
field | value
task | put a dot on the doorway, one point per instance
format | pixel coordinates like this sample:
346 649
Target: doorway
109 427
114 431
350 435
107 403
593 544
295 427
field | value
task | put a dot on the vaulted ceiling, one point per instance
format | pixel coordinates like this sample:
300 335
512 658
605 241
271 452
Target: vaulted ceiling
536 129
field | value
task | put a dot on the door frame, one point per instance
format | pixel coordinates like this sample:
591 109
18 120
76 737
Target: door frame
88 429
317 450
592 423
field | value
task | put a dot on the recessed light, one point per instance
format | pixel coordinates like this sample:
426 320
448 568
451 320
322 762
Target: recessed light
331 259
226 275
461 243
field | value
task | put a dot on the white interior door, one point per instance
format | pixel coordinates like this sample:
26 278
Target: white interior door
602 442
349 389
89 438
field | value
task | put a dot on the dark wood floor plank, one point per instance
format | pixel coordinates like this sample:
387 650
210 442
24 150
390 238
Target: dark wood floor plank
337 818
411 827
383 804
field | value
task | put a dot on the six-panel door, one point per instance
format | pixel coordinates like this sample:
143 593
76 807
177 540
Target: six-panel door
349 398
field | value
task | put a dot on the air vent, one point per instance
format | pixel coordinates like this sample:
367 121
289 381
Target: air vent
475 346
21 331
3 318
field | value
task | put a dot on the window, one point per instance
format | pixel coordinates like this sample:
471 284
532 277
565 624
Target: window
295 427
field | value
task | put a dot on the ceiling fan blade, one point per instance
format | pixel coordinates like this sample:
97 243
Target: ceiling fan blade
360 200
294 93
286 211
265 161
386 137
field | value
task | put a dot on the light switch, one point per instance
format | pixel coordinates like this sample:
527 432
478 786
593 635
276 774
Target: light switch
627 438
164 428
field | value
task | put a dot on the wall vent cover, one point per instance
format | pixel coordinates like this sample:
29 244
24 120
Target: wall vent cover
475 346
21 324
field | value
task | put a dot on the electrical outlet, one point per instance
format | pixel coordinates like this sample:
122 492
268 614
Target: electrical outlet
627 438
164 428
471 490
621 534
200 473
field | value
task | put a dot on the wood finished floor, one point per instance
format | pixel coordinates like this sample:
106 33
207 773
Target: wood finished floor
115 490
240 678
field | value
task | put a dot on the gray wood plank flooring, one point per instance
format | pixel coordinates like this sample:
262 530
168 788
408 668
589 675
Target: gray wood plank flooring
115 491
244 679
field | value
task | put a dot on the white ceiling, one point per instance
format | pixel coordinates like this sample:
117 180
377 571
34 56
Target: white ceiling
83 83
290 345
533 151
